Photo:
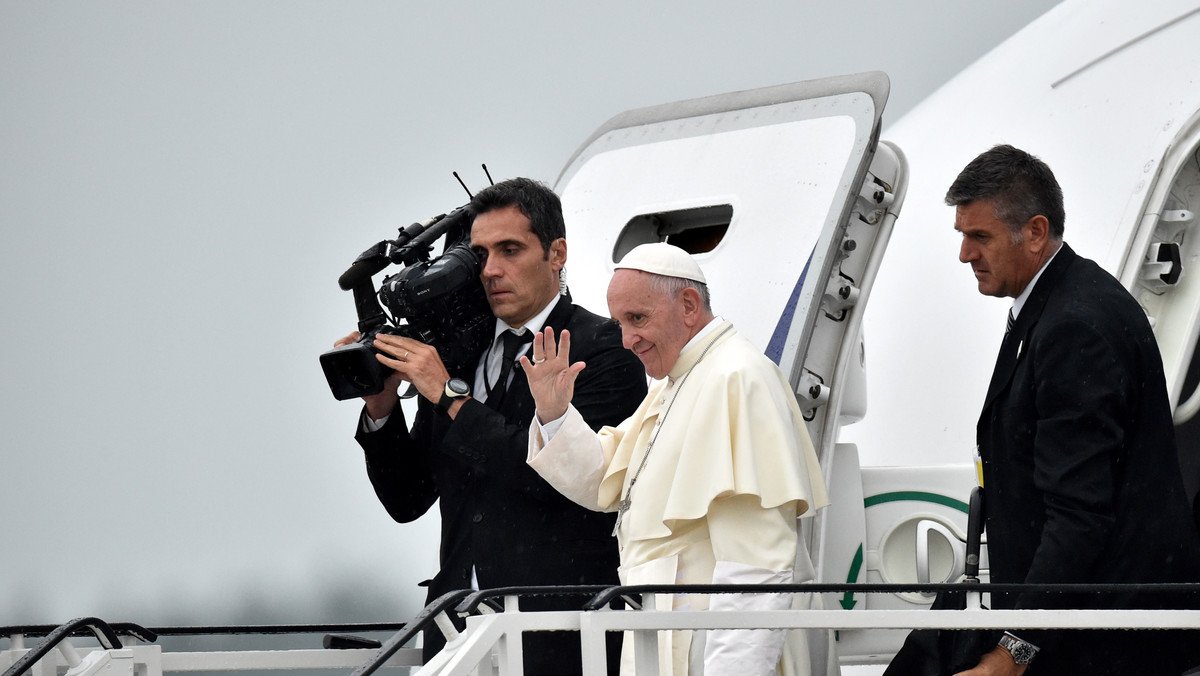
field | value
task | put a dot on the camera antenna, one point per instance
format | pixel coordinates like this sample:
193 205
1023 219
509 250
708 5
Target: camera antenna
464 185
488 174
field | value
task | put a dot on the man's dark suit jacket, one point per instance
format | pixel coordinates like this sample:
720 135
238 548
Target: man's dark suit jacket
498 515
1080 468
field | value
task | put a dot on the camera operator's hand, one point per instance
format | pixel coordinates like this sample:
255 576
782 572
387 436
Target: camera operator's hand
551 374
417 363
378 405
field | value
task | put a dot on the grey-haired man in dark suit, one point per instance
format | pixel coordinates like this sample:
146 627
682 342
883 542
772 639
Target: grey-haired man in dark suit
1079 462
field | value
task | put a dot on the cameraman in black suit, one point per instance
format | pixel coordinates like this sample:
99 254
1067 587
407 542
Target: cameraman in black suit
502 525
1079 463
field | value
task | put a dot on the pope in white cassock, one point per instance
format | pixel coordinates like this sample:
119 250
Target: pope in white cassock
708 476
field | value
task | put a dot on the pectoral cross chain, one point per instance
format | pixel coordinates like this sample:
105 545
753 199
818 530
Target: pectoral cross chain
622 507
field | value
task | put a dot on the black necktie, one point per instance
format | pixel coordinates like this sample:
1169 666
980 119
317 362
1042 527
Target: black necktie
1005 361
512 347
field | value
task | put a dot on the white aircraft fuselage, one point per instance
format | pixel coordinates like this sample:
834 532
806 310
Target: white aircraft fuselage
1107 94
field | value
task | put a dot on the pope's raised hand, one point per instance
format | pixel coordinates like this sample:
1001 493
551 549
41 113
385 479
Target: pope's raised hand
551 374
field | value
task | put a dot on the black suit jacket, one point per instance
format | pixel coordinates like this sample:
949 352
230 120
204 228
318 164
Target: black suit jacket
1080 468
498 515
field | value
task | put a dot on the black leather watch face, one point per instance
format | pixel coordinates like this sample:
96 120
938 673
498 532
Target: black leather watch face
458 387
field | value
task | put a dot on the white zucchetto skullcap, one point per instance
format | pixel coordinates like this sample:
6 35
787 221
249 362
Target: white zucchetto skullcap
664 259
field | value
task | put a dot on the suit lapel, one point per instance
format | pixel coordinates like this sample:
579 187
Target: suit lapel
1016 342
1006 362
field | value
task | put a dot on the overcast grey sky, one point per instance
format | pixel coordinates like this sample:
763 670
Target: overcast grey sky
181 185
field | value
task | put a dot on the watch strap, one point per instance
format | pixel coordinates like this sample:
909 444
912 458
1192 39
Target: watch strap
448 397
443 403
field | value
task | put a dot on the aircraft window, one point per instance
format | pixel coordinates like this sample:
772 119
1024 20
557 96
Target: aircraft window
696 230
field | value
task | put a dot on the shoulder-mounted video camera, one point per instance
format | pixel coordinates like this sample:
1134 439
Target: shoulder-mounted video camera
439 302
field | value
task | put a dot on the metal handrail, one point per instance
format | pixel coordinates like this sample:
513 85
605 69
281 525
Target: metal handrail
130 629
472 602
422 620
608 595
101 629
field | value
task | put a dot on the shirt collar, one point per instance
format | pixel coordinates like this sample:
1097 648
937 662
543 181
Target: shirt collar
708 328
694 348
537 323
1019 301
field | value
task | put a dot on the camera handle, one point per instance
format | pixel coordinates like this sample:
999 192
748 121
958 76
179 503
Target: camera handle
416 241
358 279
370 314
368 263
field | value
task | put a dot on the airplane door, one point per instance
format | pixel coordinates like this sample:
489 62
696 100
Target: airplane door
1160 272
758 185
786 198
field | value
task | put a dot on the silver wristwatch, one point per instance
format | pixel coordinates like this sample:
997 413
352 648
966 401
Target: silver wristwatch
1022 652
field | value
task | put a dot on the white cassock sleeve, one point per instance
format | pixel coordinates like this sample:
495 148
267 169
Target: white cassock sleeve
765 558
575 466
